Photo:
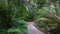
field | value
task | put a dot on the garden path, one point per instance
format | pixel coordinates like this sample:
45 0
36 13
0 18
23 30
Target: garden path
32 29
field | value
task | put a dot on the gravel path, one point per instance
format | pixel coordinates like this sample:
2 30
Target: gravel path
32 29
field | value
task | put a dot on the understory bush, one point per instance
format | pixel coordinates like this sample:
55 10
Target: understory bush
47 21
11 17
17 27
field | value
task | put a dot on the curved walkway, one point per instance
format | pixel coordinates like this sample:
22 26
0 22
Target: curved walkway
32 29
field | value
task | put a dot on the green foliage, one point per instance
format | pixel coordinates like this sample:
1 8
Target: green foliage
41 13
46 19
13 30
23 11
18 27
11 20
41 3
55 31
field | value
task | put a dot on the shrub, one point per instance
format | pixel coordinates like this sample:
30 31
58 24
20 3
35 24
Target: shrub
18 27
10 17
46 21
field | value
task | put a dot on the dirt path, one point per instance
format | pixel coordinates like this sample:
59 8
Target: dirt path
32 29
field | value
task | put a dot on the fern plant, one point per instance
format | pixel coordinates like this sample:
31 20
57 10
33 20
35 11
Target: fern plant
10 17
46 20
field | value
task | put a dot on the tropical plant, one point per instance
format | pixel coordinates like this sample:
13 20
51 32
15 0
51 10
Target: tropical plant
46 16
11 21
47 20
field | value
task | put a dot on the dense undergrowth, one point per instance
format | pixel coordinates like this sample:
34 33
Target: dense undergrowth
47 17
12 17
15 13
47 21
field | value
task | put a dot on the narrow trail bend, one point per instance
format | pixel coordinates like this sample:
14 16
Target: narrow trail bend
32 29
